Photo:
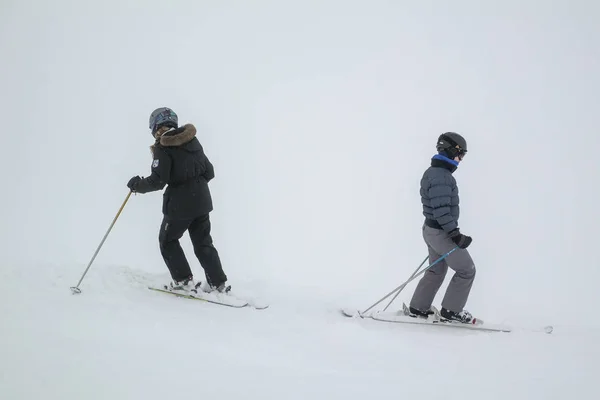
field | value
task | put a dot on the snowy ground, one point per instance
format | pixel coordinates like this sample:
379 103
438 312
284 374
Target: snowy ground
320 118
118 340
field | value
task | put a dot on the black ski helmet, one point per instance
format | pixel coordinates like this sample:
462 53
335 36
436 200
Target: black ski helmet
452 144
162 116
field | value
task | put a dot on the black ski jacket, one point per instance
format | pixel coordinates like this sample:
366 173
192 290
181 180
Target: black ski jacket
179 162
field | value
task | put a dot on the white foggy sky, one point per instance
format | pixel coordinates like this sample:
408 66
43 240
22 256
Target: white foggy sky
320 117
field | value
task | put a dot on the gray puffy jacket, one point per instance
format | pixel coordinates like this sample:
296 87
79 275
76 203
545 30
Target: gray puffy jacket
439 194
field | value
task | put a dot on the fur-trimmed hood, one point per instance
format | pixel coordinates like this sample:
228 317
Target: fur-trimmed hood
179 136
176 137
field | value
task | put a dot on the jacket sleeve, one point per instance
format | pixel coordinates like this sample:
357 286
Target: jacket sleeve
161 172
440 195
210 170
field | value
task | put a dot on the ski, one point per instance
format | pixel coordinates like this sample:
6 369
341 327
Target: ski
235 304
351 313
436 320
227 300
403 317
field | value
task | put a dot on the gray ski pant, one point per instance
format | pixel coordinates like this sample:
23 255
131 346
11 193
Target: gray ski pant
439 243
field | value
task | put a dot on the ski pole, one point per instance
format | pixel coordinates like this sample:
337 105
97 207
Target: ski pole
413 274
75 289
401 287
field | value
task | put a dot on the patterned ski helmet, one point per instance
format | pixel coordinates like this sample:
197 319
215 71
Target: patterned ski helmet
452 144
162 116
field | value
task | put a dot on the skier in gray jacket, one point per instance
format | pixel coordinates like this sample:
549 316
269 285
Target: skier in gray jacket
439 197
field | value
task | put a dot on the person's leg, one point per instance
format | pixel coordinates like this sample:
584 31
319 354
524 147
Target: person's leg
205 251
170 248
432 279
460 286
459 261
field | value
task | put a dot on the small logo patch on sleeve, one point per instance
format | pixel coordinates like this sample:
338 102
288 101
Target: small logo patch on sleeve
155 163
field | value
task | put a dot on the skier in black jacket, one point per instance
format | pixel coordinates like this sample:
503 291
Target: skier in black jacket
180 164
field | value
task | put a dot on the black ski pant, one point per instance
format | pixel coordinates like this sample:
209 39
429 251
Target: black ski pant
172 230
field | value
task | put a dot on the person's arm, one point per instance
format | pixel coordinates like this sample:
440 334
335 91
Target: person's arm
210 170
161 172
440 195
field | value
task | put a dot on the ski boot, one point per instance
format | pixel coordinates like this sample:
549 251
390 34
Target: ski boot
208 288
185 286
415 313
463 317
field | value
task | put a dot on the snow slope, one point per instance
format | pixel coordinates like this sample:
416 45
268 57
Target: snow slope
319 117
118 340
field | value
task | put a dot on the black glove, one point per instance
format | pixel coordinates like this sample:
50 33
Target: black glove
133 183
462 241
